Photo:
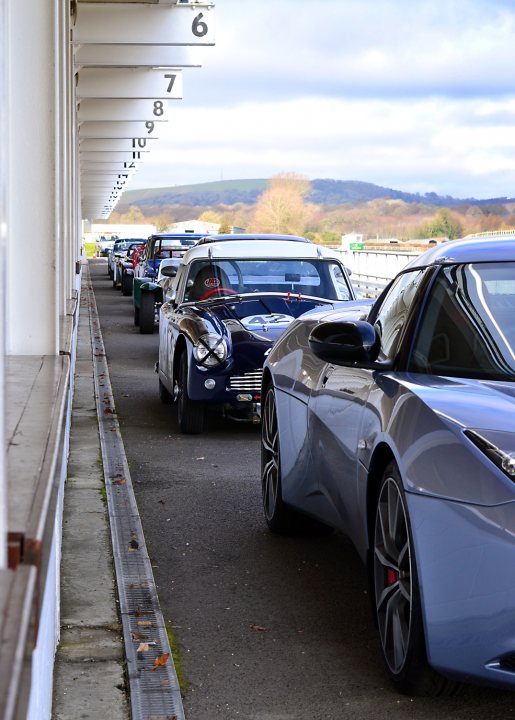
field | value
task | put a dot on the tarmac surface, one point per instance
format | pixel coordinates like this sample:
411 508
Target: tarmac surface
265 628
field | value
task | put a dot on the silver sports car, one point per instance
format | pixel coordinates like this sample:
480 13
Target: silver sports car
394 422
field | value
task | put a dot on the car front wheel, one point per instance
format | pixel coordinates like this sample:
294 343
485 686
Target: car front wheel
147 313
126 285
280 517
190 413
397 595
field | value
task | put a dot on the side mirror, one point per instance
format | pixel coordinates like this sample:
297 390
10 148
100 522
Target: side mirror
169 271
348 343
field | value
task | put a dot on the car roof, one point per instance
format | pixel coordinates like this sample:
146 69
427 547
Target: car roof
251 237
268 249
179 236
484 248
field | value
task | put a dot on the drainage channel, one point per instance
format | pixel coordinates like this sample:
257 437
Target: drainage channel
153 683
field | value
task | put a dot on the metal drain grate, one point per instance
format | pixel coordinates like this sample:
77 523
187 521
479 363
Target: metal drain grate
154 688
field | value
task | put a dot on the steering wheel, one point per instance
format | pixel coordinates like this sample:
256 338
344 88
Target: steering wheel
212 291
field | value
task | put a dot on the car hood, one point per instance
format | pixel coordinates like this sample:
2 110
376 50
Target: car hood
264 320
478 404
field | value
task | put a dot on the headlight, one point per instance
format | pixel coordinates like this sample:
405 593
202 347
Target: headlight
210 350
498 446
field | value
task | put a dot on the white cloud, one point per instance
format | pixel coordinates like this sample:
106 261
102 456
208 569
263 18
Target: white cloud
412 95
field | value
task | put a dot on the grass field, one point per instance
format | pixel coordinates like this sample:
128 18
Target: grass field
89 249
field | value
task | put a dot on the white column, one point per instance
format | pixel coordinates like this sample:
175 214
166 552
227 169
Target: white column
32 275
4 178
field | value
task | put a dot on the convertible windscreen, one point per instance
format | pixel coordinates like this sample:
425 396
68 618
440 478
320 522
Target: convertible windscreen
468 327
314 278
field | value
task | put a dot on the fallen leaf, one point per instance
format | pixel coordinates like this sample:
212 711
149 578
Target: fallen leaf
258 628
160 661
137 636
161 501
142 647
145 622
119 481
108 411
134 544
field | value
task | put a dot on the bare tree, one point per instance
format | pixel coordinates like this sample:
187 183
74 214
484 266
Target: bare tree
282 208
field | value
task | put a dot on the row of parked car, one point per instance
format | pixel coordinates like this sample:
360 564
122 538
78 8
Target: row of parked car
390 420
220 302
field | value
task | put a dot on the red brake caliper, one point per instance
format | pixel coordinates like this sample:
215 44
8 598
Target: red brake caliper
391 577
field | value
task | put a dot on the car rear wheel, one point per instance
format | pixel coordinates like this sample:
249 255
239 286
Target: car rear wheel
190 413
397 595
147 313
126 285
280 518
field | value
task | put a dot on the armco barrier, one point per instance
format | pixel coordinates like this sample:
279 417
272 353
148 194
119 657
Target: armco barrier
372 270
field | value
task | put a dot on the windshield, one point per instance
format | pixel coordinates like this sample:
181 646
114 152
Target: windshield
468 327
315 278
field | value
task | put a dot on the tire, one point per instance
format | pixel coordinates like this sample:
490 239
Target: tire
147 313
126 285
190 413
397 595
165 397
280 517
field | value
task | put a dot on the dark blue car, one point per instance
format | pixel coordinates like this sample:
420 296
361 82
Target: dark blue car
231 301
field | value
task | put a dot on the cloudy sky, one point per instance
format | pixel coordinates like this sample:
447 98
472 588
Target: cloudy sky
415 95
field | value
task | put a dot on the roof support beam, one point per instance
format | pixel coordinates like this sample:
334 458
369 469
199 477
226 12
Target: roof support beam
129 83
118 130
136 56
131 24
120 110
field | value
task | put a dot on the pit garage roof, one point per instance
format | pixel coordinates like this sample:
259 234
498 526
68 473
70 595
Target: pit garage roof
130 59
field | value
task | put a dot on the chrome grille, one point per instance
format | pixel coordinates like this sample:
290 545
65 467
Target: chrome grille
248 382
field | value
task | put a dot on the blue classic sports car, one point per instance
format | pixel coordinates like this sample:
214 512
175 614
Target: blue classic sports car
231 299
394 422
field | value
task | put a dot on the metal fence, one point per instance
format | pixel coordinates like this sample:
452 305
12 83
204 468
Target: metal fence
372 270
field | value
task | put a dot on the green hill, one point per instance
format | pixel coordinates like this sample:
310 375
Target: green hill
226 192
323 192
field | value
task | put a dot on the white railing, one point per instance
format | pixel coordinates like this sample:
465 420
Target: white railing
372 270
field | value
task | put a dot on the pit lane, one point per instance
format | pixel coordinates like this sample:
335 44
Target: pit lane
267 628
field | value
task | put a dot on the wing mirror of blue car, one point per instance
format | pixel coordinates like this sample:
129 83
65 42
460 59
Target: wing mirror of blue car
351 343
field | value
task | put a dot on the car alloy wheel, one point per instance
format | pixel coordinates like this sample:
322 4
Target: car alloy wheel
397 595
280 517
393 575
269 456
